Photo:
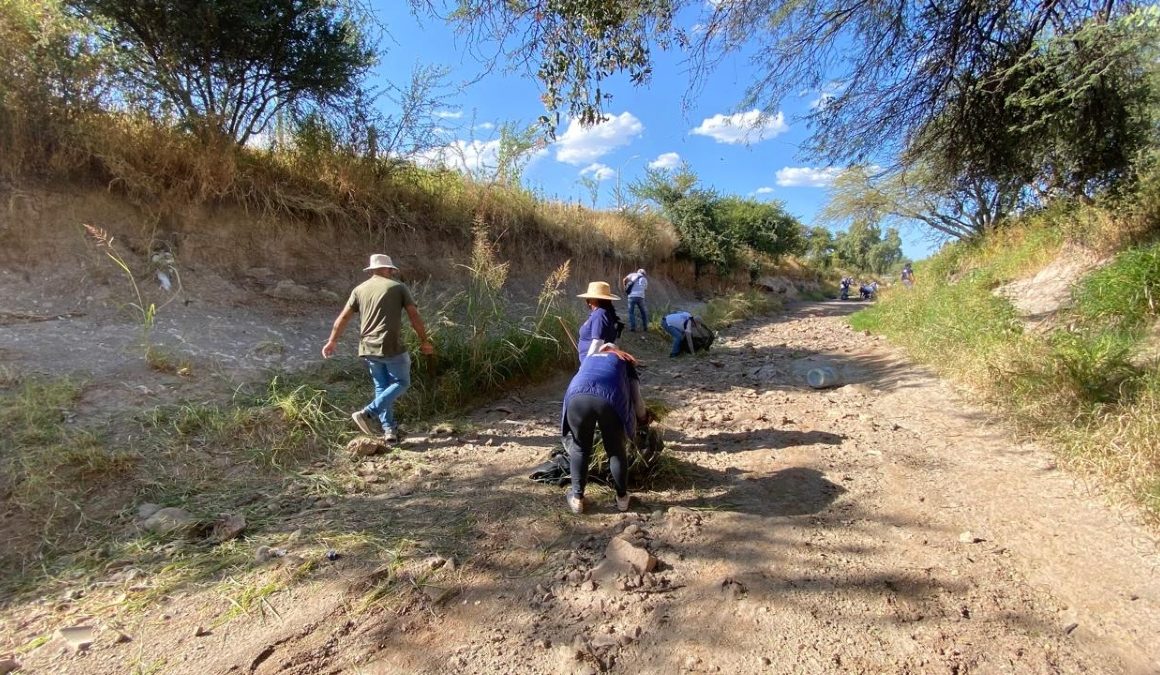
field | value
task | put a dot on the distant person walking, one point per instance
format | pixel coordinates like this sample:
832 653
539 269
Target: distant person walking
907 276
380 302
602 326
634 286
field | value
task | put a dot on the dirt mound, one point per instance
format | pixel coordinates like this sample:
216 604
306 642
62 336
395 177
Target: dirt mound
1039 298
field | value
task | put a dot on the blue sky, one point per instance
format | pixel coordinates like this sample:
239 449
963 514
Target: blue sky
732 151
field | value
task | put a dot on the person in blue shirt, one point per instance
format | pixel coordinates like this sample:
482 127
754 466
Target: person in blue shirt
602 326
680 326
604 393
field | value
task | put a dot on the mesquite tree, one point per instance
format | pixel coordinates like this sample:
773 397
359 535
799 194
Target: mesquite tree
225 68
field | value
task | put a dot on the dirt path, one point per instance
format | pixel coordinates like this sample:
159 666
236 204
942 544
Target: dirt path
884 526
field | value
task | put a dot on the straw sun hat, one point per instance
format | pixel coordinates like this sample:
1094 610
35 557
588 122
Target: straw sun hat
599 290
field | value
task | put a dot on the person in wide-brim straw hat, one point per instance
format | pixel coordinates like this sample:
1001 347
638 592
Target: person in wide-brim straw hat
602 326
598 290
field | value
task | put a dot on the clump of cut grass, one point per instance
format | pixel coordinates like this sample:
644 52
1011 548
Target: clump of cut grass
1079 383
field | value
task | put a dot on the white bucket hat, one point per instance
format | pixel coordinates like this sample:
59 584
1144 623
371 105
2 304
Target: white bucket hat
380 261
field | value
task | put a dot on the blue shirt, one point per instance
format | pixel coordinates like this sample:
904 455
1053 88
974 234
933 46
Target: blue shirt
678 319
606 376
598 326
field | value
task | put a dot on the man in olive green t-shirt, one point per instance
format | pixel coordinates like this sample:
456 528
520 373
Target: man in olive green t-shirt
380 302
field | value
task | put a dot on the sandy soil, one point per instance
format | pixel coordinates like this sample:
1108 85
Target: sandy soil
882 526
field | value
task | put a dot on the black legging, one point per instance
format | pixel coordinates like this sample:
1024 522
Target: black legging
585 411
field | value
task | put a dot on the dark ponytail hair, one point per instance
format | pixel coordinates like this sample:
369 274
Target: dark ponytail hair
607 306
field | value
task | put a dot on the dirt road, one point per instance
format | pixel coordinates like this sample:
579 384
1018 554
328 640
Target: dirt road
883 526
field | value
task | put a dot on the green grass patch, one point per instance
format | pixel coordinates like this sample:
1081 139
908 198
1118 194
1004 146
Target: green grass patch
1080 383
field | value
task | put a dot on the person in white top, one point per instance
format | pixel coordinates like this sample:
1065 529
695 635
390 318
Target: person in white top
634 286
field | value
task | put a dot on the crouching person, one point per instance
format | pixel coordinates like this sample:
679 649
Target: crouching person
604 393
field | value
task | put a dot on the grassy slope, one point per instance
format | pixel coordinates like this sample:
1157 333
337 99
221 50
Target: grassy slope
1082 383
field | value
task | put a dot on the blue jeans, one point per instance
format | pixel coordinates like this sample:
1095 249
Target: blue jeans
678 337
637 303
392 376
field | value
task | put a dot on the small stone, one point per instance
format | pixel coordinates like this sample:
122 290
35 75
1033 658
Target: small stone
201 632
364 446
588 586
8 665
265 553
969 537
1067 630
122 639
766 661
544 643
78 637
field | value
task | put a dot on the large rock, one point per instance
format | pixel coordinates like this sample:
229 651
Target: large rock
622 557
170 519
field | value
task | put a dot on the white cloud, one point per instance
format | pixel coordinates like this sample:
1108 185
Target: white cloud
763 191
747 127
580 144
474 157
486 126
449 114
806 176
668 161
600 171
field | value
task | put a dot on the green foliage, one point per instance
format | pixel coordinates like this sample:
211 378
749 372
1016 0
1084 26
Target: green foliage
959 207
762 226
1124 294
863 247
900 63
53 75
819 246
718 231
1070 115
581 44
226 68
